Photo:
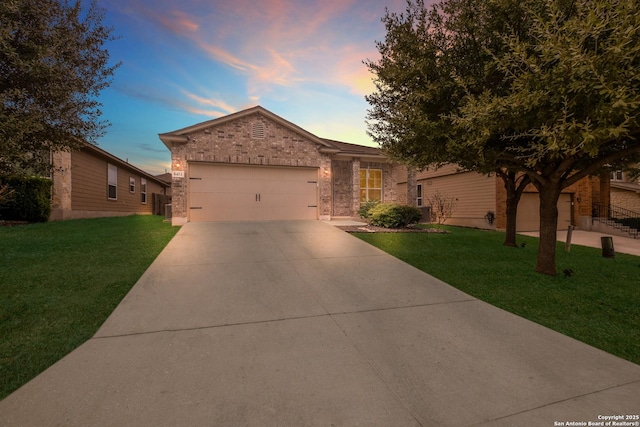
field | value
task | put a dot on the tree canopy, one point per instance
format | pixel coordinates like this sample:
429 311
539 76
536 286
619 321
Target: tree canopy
53 65
558 98
431 61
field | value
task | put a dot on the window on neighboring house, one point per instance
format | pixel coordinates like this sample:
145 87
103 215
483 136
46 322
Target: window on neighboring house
616 176
112 178
143 190
419 195
370 185
132 184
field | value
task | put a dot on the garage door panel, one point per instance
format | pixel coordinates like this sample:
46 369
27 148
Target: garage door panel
528 218
251 193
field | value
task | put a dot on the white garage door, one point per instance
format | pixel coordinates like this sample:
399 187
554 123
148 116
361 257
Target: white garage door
528 218
251 193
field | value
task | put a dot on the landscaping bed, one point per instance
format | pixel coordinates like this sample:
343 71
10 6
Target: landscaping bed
373 229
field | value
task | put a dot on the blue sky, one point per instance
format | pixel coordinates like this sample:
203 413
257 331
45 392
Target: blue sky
189 61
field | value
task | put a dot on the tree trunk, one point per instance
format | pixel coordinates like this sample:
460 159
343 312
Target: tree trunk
514 193
512 214
549 195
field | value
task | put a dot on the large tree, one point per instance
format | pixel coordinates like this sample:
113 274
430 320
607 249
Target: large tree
558 101
572 106
431 61
53 65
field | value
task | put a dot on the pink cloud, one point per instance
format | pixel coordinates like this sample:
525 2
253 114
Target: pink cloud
221 55
218 104
202 112
281 43
184 22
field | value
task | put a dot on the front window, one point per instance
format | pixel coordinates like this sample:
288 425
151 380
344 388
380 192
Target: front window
112 177
143 190
616 176
419 195
370 185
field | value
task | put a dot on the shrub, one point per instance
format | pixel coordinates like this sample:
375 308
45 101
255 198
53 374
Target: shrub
442 207
392 215
366 207
6 194
410 214
31 199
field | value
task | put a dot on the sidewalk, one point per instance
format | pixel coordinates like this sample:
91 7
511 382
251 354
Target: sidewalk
623 245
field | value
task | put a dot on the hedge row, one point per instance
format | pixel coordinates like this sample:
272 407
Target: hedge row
30 199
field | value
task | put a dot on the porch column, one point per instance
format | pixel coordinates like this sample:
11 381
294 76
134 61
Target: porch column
355 186
325 189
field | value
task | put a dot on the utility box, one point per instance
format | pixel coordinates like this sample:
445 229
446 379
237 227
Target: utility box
426 214
607 247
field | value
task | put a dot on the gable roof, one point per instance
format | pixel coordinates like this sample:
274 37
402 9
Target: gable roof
354 149
180 135
328 146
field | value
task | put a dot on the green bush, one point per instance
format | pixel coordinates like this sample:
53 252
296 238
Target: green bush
410 214
31 199
392 215
366 207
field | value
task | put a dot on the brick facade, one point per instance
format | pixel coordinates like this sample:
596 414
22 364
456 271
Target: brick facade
342 178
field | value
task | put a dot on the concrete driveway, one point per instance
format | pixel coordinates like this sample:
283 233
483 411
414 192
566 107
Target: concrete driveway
301 324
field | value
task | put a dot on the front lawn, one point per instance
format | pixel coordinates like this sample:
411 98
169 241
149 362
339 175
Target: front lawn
598 304
59 281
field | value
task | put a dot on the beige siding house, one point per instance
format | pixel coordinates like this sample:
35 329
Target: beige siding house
474 194
480 200
92 183
254 165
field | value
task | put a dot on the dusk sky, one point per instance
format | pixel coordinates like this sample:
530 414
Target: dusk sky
186 62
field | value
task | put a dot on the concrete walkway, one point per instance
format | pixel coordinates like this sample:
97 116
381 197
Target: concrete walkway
623 245
301 324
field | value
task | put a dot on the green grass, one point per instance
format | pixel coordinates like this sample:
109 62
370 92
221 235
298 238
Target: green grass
59 281
599 304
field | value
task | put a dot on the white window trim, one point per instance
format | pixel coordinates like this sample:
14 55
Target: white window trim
143 191
419 199
112 181
367 188
132 184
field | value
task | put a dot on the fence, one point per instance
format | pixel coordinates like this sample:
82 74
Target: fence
159 203
617 217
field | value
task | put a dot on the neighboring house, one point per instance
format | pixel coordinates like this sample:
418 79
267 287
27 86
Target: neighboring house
91 182
625 192
255 165
480 200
